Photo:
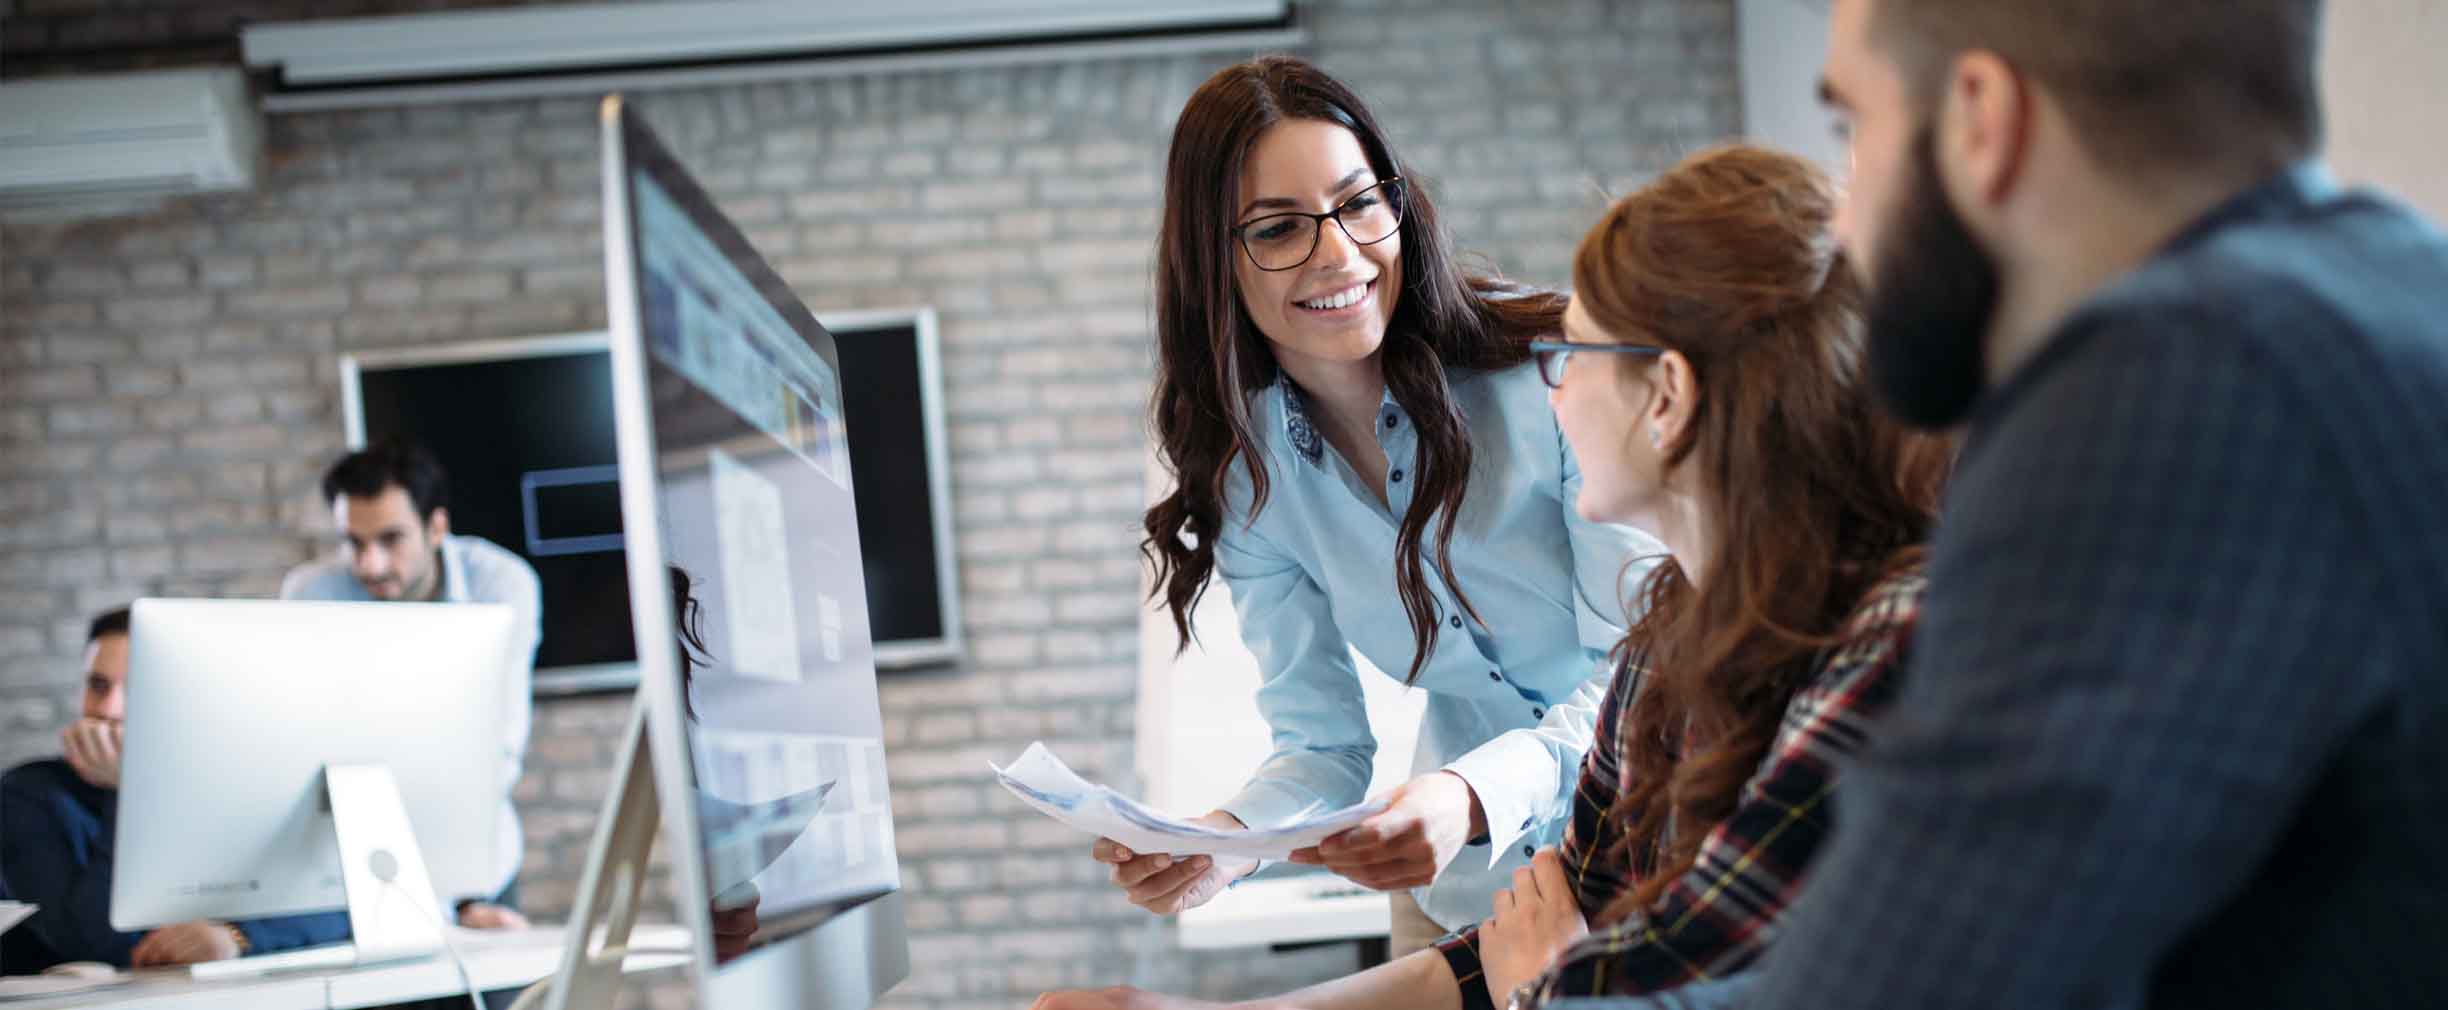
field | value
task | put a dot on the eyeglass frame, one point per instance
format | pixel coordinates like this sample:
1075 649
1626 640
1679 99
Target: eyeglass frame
1402 213
1565 349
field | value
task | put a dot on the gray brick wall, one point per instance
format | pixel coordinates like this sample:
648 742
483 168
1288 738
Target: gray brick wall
168 394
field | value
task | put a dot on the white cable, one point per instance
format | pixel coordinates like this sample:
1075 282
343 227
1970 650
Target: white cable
531 996
475 997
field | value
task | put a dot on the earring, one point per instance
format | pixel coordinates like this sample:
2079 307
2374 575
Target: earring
1657 439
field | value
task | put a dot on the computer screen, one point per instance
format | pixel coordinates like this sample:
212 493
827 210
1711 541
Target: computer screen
755 503
234 709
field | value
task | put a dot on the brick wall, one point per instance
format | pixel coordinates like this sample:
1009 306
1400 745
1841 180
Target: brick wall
168 394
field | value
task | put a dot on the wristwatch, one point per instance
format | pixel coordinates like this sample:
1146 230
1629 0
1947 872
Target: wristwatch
1522 996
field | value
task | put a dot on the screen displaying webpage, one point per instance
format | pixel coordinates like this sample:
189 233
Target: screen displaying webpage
785 733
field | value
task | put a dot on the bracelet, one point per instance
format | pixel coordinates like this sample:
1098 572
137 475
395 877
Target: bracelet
1522 995
238 935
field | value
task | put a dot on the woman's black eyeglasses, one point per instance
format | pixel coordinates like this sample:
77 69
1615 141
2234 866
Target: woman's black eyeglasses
1286 240
1551 355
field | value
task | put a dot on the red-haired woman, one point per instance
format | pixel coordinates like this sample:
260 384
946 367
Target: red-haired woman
1711 382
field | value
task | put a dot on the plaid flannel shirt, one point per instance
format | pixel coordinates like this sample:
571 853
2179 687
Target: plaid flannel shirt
1719 916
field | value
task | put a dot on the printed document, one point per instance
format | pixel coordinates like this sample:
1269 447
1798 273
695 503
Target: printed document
1043 781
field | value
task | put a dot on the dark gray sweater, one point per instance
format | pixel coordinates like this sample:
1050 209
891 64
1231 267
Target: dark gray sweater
2176 729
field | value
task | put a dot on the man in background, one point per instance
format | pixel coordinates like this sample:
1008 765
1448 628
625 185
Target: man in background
389 504
56 849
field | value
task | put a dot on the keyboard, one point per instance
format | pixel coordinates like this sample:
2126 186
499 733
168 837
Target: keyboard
1299 908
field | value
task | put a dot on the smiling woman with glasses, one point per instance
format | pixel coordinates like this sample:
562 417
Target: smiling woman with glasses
1365 456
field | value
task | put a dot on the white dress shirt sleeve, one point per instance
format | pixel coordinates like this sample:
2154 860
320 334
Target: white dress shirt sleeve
1527 776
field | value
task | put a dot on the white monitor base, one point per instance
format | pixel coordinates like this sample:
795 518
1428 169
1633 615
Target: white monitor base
391 907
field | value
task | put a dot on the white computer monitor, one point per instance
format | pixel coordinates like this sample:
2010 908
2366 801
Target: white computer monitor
235 708
734 467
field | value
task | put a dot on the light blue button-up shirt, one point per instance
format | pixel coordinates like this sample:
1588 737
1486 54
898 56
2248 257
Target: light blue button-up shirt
1511 701
474 570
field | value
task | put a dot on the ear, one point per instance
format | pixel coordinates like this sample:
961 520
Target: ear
438 526
1674 397
1984 129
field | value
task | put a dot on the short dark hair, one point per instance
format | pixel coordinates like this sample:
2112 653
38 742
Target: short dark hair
2231 85
111 622
391 462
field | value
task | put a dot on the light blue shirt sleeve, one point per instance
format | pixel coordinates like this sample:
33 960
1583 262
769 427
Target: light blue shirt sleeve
1309 691
498 576
1528 776
494 575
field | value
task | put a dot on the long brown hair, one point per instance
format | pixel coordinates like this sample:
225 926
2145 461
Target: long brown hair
1210 356
1815 494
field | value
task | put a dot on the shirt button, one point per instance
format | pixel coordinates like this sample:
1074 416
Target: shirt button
1495 676
1528 852
1526 823
1396 476
1538 713
1393 420
1457 620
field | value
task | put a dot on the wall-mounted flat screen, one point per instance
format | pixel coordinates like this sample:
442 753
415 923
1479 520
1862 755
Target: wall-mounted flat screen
525 428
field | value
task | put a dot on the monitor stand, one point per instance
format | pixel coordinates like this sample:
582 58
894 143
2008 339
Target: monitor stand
590 972
858 955
392 912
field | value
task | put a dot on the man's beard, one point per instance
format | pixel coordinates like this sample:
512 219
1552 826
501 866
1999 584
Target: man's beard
1933 293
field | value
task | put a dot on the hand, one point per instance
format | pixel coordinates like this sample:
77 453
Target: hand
1116 998
1534 922
186 943
1167 885
92 748
733 928
1431 818
487 915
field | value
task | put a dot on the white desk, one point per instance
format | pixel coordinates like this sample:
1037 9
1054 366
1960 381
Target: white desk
1306 907
171 989
499 960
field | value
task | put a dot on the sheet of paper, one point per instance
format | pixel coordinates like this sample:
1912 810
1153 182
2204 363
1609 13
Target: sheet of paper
743 839
1044 782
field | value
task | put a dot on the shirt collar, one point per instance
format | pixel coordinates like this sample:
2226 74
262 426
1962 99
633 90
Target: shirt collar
2297 186
1297 429
1303 433
454 572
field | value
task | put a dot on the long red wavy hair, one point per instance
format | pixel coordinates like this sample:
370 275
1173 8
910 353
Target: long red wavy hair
1816 494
